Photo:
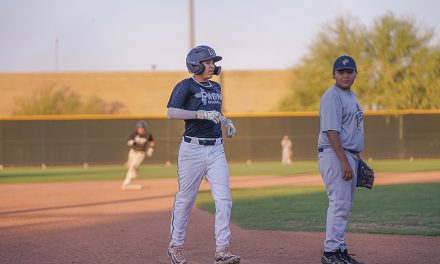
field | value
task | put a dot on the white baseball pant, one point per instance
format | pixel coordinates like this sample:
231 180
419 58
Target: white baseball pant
194 162
135 159
340 194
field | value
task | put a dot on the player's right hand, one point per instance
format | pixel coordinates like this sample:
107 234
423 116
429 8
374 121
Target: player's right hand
214 116
130 142
347 171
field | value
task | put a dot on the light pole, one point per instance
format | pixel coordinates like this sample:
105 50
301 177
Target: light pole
56 54
191 24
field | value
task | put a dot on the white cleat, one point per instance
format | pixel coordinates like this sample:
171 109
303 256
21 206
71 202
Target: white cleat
224 256
176 255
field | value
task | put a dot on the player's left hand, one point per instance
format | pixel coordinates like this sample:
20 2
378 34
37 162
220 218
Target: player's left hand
230 128
365 175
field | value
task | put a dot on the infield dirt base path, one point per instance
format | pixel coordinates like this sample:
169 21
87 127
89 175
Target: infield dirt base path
96 222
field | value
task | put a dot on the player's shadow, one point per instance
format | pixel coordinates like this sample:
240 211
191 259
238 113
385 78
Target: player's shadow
85 204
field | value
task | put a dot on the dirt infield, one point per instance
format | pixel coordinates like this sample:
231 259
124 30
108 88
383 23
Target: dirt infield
96 222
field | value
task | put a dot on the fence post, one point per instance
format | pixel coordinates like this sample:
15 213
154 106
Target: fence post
401 153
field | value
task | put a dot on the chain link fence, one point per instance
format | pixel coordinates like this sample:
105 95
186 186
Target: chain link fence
103 141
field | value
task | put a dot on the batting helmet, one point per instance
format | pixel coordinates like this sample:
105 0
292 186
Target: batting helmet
197 55
141 124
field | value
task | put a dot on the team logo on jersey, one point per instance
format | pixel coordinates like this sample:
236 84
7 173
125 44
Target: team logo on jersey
209 97
359 116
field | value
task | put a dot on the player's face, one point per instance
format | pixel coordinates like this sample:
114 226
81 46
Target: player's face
141 130
344 78
209 69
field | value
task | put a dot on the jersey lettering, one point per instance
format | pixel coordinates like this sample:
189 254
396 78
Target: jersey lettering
209 97
359 116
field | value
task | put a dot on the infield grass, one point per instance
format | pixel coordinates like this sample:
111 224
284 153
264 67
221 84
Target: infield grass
153 171
394 209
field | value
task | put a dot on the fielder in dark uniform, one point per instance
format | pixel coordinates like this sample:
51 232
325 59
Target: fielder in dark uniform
141 144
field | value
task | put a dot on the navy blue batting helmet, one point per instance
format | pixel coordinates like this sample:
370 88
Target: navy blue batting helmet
197 55
141 124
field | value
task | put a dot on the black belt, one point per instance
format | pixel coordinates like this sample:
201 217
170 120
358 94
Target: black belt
203 142
349 150
138 150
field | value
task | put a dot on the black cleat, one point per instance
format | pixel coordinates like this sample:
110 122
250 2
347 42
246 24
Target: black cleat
348 259
332 258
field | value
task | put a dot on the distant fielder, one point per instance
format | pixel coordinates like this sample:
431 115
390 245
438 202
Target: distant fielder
198 101
286 150
141 144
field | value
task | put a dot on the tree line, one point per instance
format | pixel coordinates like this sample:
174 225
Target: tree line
398 64
62 100
398 68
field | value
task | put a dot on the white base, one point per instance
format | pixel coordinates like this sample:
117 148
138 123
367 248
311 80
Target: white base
132 187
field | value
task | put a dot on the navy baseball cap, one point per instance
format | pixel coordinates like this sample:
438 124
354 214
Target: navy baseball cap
344 62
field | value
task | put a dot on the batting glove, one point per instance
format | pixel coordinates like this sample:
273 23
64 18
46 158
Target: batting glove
149 152
214 116
230 128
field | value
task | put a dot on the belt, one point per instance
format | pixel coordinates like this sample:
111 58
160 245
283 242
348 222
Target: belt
203 141
349 150
137 150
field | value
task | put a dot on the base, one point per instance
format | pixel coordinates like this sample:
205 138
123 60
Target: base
132 187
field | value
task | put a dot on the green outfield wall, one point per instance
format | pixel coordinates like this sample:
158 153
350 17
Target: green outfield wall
77 140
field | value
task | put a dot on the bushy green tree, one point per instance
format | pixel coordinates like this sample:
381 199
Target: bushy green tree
50 100
398 65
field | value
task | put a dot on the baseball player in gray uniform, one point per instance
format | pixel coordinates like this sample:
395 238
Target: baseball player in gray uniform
341 139
141 144
198 101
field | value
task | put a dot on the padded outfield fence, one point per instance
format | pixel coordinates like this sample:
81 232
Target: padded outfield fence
101 139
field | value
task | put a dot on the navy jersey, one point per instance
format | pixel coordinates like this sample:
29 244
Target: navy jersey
193 96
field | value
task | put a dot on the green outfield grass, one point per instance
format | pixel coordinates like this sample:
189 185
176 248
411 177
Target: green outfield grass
152 171
396 209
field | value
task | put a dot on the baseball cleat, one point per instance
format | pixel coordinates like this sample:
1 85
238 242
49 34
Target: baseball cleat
176 255
224 256
332 258
348 259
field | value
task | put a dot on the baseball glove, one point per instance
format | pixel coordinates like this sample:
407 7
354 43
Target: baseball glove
365 175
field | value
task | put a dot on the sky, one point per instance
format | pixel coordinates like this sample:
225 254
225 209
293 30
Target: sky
142 35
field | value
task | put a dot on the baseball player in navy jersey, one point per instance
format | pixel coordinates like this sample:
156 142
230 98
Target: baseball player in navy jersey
341 139
198 101
141 144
